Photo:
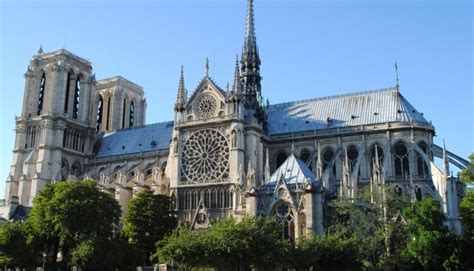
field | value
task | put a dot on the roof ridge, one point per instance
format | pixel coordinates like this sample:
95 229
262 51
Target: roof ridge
338 96
138 127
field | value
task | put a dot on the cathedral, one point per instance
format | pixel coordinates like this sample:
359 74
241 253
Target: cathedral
227 152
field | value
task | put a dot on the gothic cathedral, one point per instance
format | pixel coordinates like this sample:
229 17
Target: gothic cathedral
228 152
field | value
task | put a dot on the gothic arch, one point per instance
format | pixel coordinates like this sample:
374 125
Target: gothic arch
305 153
99 113
280 158
76 169
285 214
77 95
401 161
421 165
69 77
41 92
64 169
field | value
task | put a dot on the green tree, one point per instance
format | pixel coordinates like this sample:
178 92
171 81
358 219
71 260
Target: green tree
183 248
252 241
467 175
430 245
149 218
229 244
14 247
77 220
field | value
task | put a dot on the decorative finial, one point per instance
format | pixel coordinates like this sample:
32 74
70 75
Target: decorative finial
182 95
236 86
397 85
40 50
207 67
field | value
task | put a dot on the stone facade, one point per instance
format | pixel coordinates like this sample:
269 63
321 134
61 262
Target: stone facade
227 152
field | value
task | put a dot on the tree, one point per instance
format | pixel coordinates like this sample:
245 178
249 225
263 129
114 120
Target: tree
467 175
77 220
183 248
252 241
14 247
228 244
430 245
149 218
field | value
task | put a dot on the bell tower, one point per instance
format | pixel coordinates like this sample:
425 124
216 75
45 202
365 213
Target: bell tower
54 132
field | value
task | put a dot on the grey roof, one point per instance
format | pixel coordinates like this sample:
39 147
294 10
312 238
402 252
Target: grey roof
293 170
362 108
20 213
146 138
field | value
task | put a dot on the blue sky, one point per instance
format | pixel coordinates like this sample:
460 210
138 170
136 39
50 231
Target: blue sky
308 49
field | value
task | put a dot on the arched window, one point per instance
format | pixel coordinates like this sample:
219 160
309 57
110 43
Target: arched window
68 85
124 107
41 94
328 154
64 169
376 151
304 155
132 114
422 167
77 96
280 159
418 194
100 106
352 154
108 113
284 214
401 161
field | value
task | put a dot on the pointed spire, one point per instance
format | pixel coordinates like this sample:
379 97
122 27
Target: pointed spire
40 50
237 87
445 160
250 25
182 93
206 69
267 167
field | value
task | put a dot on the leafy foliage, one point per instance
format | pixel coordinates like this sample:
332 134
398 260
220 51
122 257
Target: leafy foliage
467 175
14 247
75 219
229 244
149 218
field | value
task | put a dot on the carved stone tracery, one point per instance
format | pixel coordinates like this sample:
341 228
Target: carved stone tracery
205 157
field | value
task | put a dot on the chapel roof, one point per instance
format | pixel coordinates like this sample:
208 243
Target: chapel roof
293 170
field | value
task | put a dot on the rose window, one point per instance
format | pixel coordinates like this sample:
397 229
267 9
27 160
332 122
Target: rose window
206 106
205 157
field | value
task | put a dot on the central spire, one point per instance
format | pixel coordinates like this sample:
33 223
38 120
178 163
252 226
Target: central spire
250 67
250 38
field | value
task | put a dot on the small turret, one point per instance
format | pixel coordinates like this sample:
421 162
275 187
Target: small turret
182 93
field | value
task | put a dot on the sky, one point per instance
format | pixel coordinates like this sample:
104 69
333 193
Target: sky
308 48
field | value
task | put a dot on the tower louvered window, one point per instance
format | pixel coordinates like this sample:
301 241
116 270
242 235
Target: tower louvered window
66 99
100 106
123 112
132 114
41 94
77 96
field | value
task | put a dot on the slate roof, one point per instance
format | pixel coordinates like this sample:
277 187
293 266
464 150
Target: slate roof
136 140
354 109
20 213
294 170
362 108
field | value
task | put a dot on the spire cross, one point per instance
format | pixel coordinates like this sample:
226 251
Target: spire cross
207 68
